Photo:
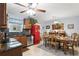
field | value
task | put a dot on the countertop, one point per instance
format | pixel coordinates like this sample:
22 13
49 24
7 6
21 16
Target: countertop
13 43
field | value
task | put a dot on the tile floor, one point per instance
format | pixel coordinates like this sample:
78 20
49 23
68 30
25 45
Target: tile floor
40 50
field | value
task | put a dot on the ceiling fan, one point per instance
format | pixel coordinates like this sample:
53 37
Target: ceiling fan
31 6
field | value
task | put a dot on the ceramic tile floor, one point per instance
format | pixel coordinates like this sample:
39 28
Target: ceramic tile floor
36 51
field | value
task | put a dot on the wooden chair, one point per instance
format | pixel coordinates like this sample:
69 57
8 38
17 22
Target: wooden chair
45 39
53 41
62 39
71 44
78 39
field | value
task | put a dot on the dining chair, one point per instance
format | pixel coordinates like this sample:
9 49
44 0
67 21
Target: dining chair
78 39
62 37
71 44
53 41
45 39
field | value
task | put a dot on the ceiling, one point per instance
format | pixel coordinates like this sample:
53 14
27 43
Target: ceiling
53 10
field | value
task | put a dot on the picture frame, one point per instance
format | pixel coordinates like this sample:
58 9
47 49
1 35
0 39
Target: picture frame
48 27
70 26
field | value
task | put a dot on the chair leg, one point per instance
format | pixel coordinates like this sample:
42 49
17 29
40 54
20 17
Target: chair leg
65 49
44 43
73 51
56 47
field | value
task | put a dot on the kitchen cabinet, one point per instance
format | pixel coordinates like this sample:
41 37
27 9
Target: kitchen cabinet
3 16
11 48
27 24
12 52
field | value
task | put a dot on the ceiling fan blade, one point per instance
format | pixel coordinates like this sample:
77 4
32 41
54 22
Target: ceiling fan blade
41 10
23 11
19 4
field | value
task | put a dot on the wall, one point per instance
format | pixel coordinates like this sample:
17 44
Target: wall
66 21
12 19
71 20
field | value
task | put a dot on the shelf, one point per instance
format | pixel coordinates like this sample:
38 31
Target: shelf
27 29
4 27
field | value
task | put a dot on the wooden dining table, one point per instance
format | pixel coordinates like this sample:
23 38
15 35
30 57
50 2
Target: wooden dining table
65 41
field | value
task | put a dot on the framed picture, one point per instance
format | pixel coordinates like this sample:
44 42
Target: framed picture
48 27
70 26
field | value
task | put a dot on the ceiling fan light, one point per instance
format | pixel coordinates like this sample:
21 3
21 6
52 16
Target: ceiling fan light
34 5
31 12
56 21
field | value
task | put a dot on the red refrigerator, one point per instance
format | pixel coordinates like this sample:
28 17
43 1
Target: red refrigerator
36 33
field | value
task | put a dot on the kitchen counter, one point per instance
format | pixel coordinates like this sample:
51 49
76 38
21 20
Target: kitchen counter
11 48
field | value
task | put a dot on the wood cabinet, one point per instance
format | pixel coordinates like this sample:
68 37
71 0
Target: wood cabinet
3 20
27 24
12 52
22 39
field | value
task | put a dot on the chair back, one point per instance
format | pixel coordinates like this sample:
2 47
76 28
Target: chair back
74 36
45 34
54 37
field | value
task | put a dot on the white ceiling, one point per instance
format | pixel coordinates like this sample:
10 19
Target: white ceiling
53 10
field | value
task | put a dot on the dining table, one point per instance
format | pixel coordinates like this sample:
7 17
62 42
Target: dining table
66 40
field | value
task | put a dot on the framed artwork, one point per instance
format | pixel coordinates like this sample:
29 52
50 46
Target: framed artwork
70 26
48 27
